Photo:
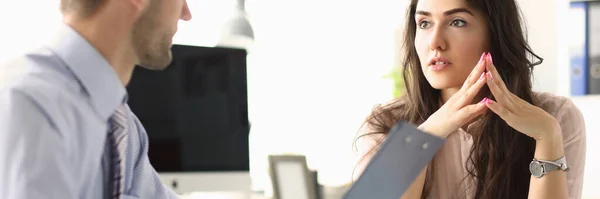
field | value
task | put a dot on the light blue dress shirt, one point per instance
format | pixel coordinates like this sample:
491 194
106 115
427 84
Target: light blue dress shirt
55 103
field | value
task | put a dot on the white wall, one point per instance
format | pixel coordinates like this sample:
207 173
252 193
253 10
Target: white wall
25 26
541 17
208 17
590 107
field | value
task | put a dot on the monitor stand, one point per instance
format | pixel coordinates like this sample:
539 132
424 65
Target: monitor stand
189 182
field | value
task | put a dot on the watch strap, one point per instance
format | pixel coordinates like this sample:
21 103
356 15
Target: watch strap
560 164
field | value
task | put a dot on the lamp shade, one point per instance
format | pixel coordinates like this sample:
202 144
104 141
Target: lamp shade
237 32
240 26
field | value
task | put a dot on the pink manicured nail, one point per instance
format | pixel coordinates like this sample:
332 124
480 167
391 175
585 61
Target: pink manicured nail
488 101
482 56
485 99
490 58
482 75
489 75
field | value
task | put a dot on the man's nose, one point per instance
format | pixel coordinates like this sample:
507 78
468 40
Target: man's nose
186 15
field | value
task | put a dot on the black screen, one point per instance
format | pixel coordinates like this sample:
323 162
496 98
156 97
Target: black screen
195 111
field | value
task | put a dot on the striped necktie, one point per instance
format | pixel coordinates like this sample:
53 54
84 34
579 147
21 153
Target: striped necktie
117 140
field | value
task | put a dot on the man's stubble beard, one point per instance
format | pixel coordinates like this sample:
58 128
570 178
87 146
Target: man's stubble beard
150 41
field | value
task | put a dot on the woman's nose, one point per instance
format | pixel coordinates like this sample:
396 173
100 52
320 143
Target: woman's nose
438 40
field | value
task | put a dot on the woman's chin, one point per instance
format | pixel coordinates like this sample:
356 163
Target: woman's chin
441 85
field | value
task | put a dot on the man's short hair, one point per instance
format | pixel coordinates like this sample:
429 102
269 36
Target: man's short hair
82 8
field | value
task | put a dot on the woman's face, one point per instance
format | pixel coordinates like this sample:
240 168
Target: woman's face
450 39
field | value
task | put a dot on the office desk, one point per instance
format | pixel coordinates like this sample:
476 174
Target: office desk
229 195
222 195
328 193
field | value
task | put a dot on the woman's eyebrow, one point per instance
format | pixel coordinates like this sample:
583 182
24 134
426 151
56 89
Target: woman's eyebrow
449 12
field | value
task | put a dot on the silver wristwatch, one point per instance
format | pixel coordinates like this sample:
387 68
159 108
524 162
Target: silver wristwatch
540 167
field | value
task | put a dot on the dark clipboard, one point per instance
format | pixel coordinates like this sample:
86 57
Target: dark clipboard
402 155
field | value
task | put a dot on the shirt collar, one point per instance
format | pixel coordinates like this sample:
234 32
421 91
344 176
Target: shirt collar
92 70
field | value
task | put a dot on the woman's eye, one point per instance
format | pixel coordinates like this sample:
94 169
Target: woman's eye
458 23
424 24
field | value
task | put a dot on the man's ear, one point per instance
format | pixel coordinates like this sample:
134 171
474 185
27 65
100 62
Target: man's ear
140 5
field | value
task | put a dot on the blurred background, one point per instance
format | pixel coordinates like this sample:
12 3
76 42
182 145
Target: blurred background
316 68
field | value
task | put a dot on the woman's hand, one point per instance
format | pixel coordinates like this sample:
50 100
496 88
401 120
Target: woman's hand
517 113
458 110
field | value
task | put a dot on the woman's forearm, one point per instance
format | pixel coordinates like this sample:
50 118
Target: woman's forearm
554 183
415 189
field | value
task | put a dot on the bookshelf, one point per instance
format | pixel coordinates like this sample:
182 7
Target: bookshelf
565 39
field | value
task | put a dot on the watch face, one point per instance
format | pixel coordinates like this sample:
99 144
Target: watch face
536 169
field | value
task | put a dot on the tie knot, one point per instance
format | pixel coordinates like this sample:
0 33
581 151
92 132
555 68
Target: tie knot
120 109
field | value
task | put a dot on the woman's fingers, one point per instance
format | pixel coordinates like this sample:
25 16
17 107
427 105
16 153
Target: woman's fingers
473 78
475 73
497 86
500 110
470 93
469 112
493 74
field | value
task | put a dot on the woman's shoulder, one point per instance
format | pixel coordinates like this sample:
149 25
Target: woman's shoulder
564 110
554 104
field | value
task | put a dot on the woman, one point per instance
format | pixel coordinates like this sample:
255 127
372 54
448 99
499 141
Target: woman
494 125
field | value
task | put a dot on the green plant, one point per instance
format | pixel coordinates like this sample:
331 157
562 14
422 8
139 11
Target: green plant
396 75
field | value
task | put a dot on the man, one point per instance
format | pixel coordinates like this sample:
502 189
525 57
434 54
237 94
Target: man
65 129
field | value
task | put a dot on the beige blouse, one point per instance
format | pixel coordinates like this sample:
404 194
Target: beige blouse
450 161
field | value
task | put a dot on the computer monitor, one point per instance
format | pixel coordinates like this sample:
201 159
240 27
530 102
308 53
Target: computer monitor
196 115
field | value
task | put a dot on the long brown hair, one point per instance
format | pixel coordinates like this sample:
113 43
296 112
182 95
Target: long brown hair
500 156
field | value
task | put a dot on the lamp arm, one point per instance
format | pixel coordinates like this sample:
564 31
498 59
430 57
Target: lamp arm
241 5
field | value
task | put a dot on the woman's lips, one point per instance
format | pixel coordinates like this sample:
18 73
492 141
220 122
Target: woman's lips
438 63
438 67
